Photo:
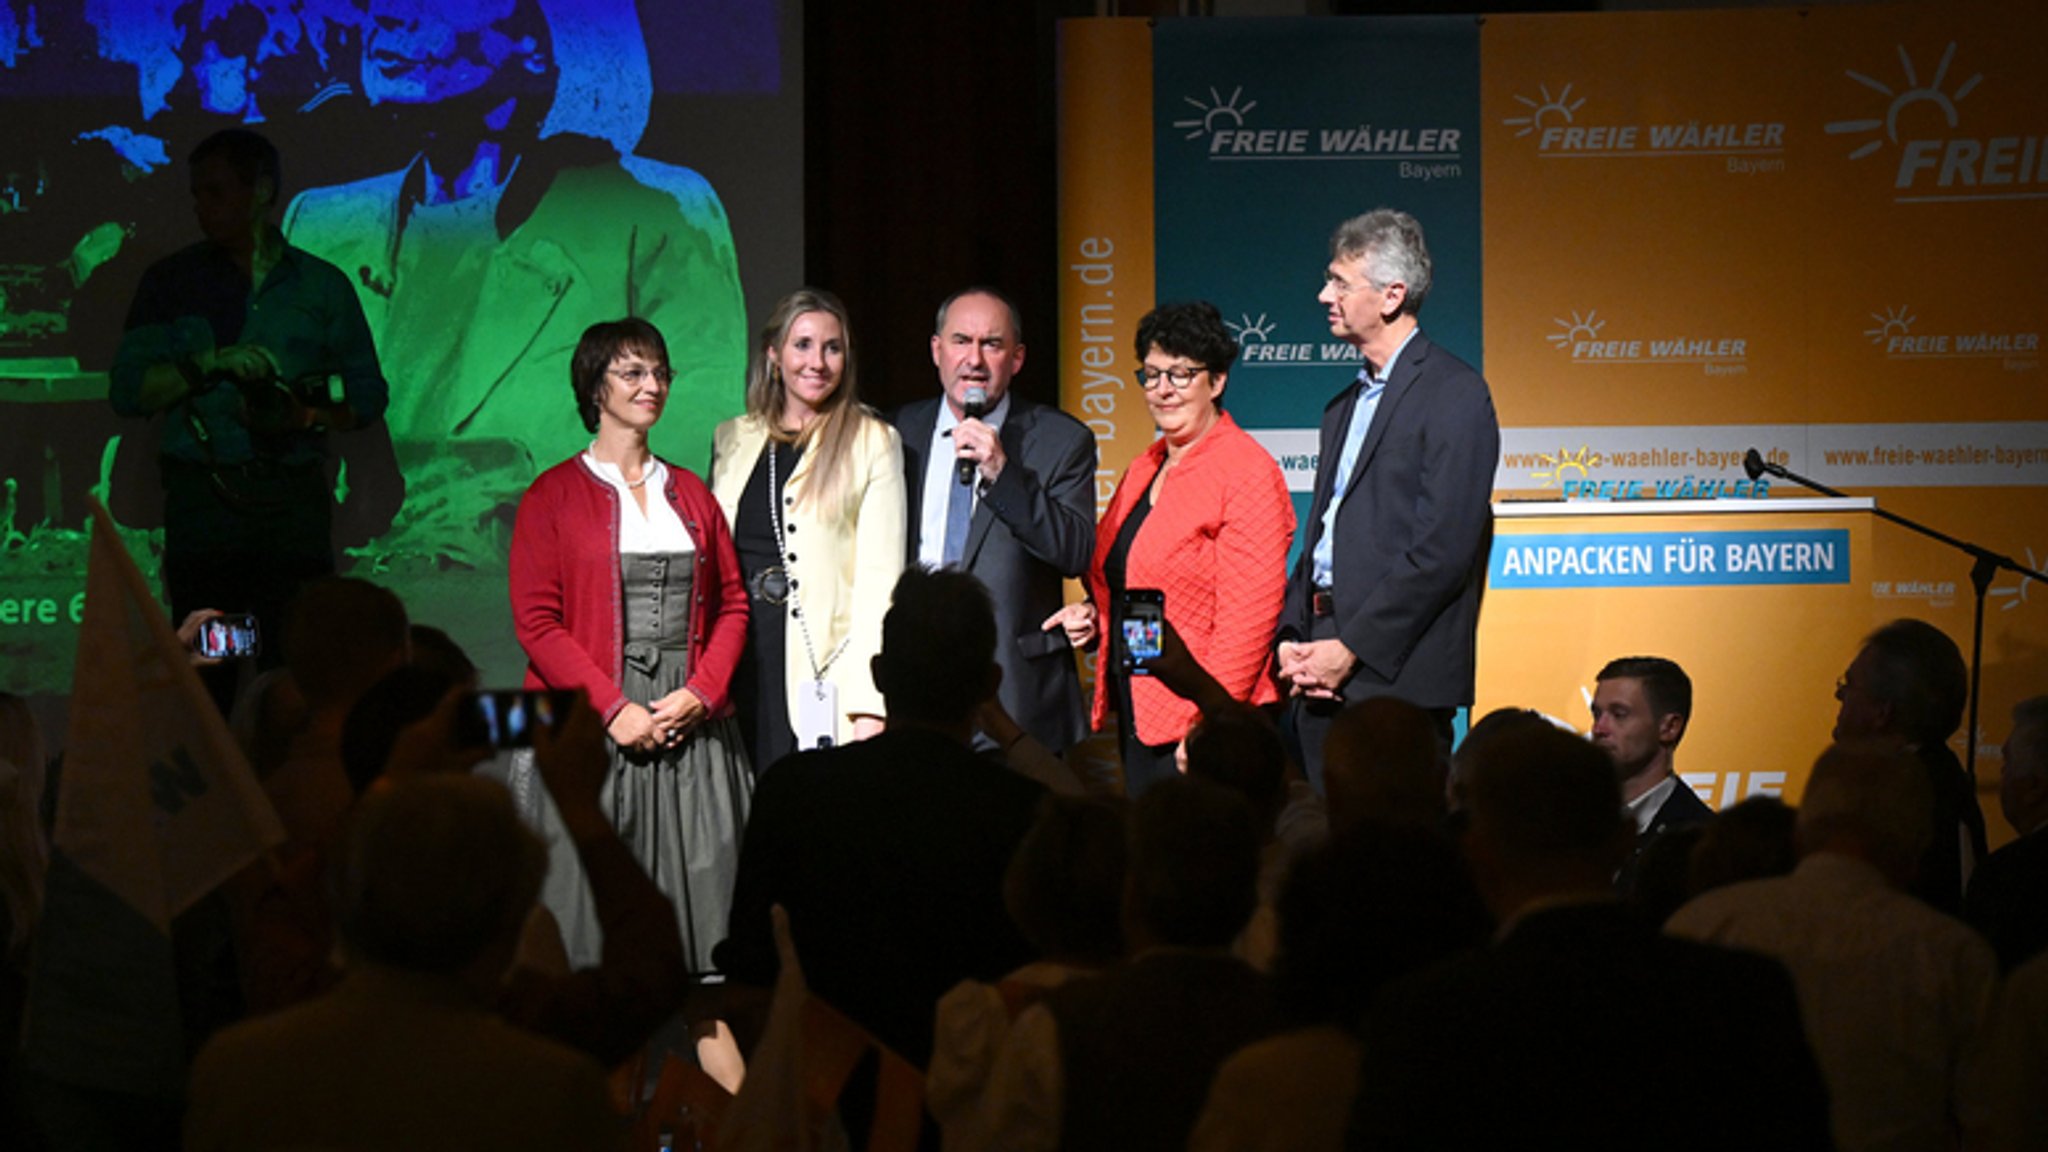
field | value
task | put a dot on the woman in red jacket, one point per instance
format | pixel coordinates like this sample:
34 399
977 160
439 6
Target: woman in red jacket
625 585
1203 516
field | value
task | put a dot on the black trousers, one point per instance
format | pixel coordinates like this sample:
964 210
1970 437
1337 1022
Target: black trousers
1309 720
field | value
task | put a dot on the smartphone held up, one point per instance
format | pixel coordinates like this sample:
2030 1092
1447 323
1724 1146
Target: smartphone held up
228 637
507 718
1141 618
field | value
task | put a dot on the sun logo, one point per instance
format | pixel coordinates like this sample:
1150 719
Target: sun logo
1261 329
1214 112
1910 93
2016 596
1892 322
1559 107
1562 461
1576 330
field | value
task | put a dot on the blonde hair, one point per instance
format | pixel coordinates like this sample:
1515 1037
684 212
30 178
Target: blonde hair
24 854
830 437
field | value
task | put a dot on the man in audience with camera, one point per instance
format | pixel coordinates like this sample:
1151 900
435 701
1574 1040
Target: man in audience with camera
246 350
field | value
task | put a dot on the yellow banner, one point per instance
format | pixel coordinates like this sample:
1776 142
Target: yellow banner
1106 233
1640 263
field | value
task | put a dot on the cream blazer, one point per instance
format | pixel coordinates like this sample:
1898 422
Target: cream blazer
847 559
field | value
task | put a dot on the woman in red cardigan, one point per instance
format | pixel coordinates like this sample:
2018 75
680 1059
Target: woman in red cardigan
1202 516
625 585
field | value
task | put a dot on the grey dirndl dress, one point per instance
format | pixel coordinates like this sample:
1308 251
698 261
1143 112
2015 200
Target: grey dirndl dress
680 811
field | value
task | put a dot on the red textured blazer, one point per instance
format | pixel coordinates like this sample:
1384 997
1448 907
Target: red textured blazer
1216 544
566 587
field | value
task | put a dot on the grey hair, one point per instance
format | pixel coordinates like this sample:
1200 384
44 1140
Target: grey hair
1390 242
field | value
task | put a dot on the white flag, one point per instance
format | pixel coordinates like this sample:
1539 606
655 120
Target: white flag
157 802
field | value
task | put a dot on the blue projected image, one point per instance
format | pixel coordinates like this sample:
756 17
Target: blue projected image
105 97
492 176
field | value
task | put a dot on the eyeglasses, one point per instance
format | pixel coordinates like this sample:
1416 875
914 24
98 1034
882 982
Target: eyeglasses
1344 288
1180 376
638 376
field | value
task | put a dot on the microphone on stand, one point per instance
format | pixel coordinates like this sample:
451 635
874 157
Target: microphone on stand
1755 465
975 405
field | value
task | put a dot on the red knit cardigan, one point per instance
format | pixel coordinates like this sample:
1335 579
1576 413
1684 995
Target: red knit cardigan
1216 544
566 587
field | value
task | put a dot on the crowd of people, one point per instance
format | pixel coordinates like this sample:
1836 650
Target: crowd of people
819 707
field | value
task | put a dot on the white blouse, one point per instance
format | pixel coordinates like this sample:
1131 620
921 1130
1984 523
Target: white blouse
658 529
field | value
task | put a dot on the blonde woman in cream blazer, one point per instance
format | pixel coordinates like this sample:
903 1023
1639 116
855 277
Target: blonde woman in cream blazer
839 469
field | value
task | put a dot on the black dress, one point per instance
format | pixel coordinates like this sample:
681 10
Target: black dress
760 688
1144 764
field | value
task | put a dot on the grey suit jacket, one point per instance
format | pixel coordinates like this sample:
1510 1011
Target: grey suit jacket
1412 532
1034 527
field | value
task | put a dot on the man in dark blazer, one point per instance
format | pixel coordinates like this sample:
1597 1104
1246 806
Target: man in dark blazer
888 853
1029 491
1385 598
1641 708
1532 1042
1907 687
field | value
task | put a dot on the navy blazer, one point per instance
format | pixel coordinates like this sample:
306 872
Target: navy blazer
1034 528
1412 532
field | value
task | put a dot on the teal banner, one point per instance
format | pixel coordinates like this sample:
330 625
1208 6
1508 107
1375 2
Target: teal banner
1269 133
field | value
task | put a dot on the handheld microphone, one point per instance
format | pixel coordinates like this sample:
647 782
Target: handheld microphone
975 405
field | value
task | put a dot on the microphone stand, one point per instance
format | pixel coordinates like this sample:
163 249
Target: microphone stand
1984 567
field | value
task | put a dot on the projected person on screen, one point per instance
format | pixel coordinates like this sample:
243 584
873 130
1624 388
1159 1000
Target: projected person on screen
481 262
1384 600
249 349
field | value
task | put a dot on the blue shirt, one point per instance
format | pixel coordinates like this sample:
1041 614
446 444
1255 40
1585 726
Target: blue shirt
1347 459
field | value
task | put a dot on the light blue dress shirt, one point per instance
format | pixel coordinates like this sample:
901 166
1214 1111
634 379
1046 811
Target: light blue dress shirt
1347 460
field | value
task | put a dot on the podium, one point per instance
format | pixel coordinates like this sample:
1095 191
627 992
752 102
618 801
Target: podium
1762 602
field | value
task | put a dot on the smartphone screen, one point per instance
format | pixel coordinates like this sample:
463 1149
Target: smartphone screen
506 718
226 637
1142 614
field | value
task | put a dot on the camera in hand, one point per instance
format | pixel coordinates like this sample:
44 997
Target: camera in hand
507 718
272 406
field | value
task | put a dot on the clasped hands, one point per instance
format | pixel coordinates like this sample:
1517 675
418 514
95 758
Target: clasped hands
1315 668
664 724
